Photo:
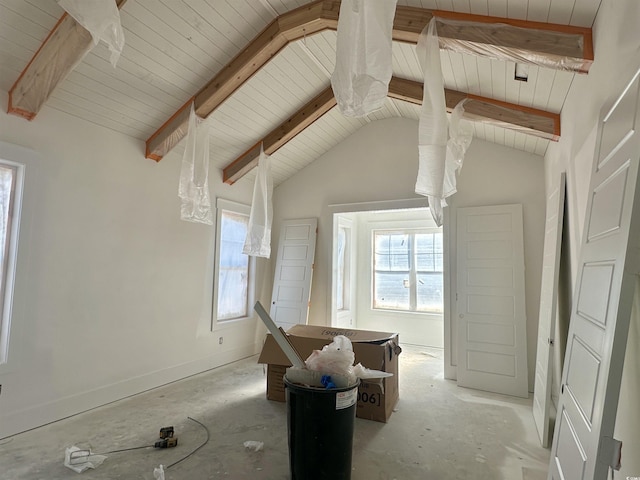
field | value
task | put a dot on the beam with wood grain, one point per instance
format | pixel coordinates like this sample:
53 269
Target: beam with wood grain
502 114
66 44
531 121
303 118
552 46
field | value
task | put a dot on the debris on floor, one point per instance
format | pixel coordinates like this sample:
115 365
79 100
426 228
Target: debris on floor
253 445
79 460
158 473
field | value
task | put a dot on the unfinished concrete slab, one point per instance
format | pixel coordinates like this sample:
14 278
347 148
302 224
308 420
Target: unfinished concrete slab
437 431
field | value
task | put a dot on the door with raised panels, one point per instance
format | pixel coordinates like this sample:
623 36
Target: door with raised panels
294 272
492 347
600 315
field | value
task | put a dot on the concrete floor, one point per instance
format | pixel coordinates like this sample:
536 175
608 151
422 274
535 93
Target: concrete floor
439 431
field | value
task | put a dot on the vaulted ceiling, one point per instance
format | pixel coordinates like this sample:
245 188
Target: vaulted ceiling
260 71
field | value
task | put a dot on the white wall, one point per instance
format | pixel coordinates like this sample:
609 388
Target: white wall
379 163
617 57
113 291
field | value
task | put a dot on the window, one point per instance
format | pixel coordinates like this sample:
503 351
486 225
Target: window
234 282
10 181
342 279
407 270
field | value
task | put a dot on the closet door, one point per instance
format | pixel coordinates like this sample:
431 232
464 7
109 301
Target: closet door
490 300
600 315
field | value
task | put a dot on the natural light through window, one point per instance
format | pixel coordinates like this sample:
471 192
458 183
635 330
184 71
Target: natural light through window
8 178
342 267
408 268
233 269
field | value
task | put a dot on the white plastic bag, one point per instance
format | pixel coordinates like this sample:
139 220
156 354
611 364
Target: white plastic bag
194 174
102 19
363 68
258 241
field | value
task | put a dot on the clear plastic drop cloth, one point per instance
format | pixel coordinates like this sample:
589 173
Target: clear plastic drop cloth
258 241
460 136
441 144
102 19
433 125
194 174
360 80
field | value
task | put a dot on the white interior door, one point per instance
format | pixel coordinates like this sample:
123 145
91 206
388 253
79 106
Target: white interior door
548 304
492 348
294 272
608 268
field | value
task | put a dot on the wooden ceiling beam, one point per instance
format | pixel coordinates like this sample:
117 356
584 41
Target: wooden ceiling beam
289 27
515 117
303 118
531 121
552 46
67 43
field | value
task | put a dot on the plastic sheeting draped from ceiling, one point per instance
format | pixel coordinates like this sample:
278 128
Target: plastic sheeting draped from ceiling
258 241
441 145
194 174
363 68
102 19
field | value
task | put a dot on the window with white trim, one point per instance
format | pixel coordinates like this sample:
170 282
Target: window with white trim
233 282
407 270
11 178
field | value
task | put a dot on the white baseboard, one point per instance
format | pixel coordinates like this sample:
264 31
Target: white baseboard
39 415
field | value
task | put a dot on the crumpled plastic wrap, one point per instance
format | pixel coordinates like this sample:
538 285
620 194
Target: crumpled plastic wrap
253 445
51 65
363 68
433 125
102 19
460 137
194 174
335 359
258 241
158 473
82 462
441 144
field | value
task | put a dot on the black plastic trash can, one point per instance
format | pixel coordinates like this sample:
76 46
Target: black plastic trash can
320 424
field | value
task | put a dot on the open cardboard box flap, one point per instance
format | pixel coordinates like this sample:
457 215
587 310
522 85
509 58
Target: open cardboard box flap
306 338
375 350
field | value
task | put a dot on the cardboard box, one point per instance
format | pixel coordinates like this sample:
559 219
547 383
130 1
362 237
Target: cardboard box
375 350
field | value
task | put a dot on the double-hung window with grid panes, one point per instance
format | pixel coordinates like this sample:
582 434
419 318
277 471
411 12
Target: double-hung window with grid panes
407 270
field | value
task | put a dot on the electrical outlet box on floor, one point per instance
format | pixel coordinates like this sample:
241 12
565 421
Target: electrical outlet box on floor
375 350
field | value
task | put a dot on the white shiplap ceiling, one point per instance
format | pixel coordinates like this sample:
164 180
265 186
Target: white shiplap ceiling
174 47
